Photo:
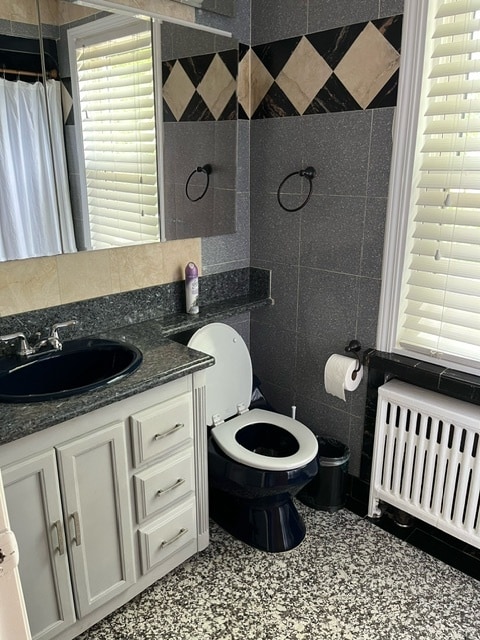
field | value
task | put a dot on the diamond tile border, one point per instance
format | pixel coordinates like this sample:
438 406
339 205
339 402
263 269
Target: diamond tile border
363 58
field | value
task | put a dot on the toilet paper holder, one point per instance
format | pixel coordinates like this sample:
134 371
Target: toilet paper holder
354 347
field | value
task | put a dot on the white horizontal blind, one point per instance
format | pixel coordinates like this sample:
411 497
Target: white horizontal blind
441 312
116 94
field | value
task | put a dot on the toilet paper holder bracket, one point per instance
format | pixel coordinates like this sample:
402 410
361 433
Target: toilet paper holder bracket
354 347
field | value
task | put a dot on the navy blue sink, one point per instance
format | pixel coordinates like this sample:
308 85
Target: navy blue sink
82 365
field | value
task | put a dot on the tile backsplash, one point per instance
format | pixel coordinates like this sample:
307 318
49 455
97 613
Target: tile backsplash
344 69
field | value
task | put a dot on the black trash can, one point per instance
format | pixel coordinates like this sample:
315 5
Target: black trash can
327 490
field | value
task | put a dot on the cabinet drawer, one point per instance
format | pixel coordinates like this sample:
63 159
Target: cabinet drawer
157 487
160 427
168 535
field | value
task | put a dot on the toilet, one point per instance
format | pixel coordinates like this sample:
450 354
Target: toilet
258 460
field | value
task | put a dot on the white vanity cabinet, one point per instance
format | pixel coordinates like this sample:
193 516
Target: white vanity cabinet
84 554
107 503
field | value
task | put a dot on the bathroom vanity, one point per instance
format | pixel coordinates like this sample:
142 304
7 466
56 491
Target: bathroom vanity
105 503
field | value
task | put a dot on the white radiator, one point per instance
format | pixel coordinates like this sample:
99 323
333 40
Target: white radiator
426 459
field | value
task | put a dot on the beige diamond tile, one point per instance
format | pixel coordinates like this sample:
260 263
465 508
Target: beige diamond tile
243 82
178 90
217 86
368 65
260 82
304 75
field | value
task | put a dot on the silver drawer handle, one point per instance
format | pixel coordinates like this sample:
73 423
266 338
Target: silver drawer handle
176 484
159 436
165 543
60 537
78 534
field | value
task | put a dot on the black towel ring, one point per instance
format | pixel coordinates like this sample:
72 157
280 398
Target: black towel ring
207 170
309 173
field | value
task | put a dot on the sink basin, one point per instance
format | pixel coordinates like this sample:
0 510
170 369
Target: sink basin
82 365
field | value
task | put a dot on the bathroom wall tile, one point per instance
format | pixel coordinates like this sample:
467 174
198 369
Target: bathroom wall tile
337 147
137 267
323 419
327 305
279 398
284 292
243 156
224 218
373 237
368 65
276 146
275 234
273 354
224 159
277 19
368 306
313 351
229 251
332 233
85 275
176 254
338 13
355 442
390 7
28 284
380 152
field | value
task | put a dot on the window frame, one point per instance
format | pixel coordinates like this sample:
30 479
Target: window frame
403 167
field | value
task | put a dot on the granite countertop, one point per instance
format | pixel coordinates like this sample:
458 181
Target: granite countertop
163 360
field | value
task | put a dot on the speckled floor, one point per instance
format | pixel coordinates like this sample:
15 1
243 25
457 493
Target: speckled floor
347 580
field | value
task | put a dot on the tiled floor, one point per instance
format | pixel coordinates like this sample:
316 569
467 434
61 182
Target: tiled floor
348 580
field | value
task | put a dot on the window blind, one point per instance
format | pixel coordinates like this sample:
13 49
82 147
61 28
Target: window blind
115 79
441 288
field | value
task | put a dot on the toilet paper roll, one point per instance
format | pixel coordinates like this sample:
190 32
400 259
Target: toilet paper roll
339 375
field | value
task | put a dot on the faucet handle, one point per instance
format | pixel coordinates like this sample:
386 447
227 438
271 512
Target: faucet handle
53 337
24 349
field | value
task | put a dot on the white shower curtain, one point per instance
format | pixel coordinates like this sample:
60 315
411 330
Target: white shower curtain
32 221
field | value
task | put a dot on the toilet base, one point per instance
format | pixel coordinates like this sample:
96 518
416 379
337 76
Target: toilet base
270 524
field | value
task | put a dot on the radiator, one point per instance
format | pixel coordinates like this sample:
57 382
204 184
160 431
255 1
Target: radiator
426 459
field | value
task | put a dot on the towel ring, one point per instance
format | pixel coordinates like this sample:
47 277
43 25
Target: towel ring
309 173
207 170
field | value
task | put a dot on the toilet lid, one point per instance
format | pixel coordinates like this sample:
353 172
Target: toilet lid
229 381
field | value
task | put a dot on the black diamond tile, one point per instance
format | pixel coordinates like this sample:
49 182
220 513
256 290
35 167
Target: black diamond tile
333 44
197 66
275 105
391 29
387 96
275 55
242 115
196 110
230 111
167 66
167 113
331 98
230 60
243 49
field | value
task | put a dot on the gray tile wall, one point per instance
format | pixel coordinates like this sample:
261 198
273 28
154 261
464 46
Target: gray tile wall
325 259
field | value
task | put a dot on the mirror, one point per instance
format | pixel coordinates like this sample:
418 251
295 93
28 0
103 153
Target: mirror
225 7
195 109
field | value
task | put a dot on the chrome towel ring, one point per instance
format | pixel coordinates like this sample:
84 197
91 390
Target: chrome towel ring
309 173
207 170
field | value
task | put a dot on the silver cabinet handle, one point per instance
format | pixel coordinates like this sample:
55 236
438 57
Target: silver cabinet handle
159 436
60 537
176 484
165 543
78 534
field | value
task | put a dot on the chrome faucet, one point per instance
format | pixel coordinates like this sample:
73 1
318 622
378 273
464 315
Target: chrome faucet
52 340
24 348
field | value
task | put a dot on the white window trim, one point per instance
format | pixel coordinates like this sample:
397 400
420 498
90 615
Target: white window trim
399 196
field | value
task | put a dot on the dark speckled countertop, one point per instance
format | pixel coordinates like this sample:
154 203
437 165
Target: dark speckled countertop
163 360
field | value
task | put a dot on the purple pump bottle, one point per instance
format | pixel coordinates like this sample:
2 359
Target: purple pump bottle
191 288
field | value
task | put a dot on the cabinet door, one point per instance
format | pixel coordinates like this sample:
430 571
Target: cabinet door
35 512
95 486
